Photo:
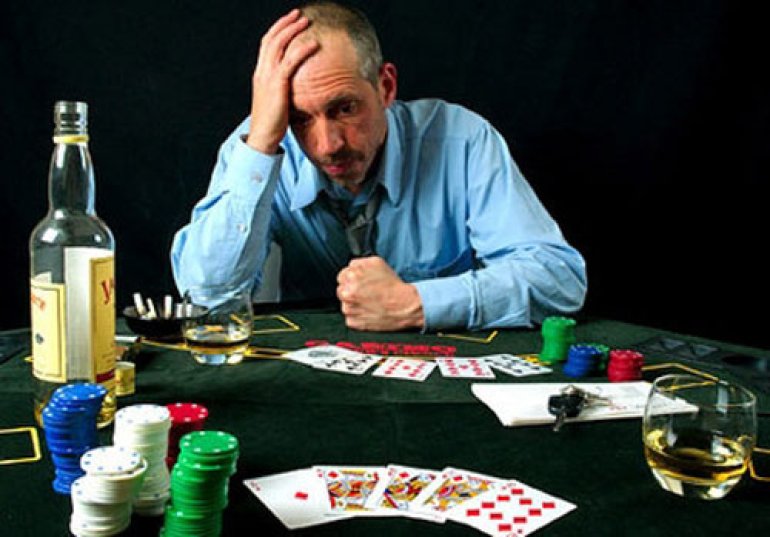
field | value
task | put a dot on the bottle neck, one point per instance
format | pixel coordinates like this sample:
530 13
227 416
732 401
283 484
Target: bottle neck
71 176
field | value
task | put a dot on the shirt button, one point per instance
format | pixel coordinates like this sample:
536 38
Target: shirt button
241 227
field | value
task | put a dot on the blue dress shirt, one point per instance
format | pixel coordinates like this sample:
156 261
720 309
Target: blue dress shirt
457 219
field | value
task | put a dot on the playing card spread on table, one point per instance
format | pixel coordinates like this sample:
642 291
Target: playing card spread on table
299 499
451 488
349 487
510 509
405 369
473 368
397 491
352 365
311 355
322 494
515 365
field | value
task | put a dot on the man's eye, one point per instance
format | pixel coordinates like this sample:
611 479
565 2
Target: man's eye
299 120
347 108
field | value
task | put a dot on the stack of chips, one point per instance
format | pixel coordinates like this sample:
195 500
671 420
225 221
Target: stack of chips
199 484
625 365
558 334
69 420
101 499
582 361
605 356
144 428
185 418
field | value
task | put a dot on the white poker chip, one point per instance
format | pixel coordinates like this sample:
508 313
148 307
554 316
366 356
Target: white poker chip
110 460
143 417
85 528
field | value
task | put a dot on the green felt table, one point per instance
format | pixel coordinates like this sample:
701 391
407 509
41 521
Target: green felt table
288 416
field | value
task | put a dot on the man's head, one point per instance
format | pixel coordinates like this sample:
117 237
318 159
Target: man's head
339 94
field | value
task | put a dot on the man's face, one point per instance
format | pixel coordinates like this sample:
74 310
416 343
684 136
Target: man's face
337 116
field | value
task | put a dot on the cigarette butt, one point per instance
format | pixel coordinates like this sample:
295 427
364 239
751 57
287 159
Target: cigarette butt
168 306
140 310
151 313
179 311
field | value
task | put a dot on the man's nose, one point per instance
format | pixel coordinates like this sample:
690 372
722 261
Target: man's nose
328 137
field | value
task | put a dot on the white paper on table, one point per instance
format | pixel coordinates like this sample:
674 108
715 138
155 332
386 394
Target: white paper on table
527 403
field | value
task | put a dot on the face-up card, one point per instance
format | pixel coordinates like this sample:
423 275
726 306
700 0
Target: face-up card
473 368
451 488
512 509
515 365
349 487
396 492
405 369
299 498
352 365
311 355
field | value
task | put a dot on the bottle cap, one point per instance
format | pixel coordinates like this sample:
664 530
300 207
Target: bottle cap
70 119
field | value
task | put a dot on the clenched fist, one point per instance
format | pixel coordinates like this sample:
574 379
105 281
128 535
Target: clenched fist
374 298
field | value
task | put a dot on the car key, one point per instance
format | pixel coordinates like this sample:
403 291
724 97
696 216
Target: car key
567 404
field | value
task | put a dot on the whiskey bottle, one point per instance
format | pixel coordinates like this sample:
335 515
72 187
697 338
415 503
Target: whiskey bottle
72 272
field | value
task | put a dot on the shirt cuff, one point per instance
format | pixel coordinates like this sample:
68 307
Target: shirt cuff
446 303
249 170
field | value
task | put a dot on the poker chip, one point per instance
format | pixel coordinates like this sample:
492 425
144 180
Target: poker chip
102 497
582 361
605 356
199 483
110 460
69 421
625 365
144 428
185 418
558 335
125 377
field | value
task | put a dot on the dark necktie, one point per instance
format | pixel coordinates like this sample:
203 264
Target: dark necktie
360 231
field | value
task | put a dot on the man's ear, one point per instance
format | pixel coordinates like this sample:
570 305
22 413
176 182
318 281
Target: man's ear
387 84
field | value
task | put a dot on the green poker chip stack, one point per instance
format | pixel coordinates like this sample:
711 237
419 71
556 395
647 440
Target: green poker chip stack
601 367
558 335
199 483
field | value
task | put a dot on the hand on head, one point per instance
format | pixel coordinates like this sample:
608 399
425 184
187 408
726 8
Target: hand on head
271 82
374 298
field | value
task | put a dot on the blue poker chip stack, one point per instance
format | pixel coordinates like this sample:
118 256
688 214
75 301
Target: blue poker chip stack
69 420
582 361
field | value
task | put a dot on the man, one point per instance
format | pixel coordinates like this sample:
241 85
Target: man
445 230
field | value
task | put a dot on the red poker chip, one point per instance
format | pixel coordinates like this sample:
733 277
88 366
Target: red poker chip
625 355
187 413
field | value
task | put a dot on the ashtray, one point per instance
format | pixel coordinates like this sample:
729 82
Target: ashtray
161 327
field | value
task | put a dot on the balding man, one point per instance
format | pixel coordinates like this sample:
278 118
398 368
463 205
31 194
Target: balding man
413 214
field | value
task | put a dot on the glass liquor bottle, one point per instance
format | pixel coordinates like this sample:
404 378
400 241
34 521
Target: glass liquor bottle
72 272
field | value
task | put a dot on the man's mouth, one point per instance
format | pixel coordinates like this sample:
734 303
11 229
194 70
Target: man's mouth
337 167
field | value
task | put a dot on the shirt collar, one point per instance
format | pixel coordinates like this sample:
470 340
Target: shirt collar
312 180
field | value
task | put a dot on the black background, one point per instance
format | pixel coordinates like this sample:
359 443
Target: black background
642 125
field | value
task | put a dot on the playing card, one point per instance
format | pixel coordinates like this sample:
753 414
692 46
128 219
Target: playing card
311 355
298 498
515 365
451 488
405 369
352 365
512 509
474 368
348 488
396 492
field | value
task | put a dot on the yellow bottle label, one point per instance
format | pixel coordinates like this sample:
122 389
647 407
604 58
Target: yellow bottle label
103 319
48 331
